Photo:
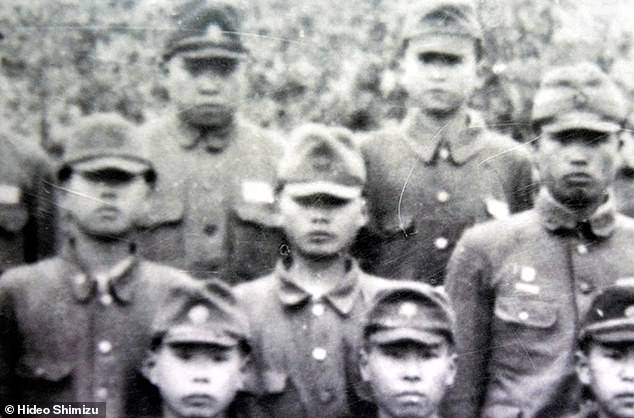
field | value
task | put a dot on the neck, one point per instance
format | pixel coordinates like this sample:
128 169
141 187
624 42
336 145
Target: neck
439 122
318 276
169 413
99 255
583 210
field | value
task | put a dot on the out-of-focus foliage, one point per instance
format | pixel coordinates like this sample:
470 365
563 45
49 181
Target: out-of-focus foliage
321 60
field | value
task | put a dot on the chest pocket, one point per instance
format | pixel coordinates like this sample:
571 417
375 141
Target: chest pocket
41 379
530 313
13 212
279 396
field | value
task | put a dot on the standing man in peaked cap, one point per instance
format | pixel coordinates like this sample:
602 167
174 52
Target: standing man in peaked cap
442 170
521 285
212 213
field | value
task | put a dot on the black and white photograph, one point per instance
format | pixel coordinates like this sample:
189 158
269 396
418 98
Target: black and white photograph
317 209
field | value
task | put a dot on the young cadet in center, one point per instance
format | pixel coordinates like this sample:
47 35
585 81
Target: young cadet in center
306 315
408 356
605 360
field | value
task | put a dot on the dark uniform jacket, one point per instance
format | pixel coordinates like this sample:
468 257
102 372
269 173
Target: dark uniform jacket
60 341
212 213
425 187
519 287
305 351
624 192
26 204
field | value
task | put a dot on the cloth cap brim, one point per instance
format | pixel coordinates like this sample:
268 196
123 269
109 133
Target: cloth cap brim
104 163
323 187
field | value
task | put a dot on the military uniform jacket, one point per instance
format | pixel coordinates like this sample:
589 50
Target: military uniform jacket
60 341
26 204
212 213
519 287
425 186
305 350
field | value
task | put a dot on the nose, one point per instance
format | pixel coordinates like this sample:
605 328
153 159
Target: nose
412 371
209 84
436 72
319 216
106 191
201 379
578 154
627 371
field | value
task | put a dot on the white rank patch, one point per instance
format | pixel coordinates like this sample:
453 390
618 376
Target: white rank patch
199 314
10 194
257 192
497 208
533 289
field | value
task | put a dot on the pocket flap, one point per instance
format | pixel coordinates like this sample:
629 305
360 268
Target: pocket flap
532 313
13 218
39 368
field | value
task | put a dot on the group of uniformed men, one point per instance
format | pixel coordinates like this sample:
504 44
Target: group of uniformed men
335 246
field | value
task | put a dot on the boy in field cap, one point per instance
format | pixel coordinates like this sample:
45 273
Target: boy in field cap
75 327
407 356
441 170
605 361
199 354
305 316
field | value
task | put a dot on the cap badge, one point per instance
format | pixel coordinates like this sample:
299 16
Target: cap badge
199 314
528 274
214 34
629 311
408 310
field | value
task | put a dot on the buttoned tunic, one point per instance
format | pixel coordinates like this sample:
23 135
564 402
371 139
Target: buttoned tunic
520 288
213 210
305 349
27 205
63 340
425 186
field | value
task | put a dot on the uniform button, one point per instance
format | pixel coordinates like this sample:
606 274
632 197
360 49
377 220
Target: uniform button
582 249
80 279
585 287
101 393
443 153
318 309
210 229
441 243
106 300
442 196
523 315
319 354
104 347
39 372
326 396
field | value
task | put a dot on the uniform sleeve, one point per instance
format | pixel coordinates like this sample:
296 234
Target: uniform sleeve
467 286
8 343
523 183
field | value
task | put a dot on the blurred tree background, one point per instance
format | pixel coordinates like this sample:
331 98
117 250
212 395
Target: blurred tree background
330 61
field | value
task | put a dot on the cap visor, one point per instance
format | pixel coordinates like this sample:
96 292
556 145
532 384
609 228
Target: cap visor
613 336
118 163
585 121
425 337
198 336
212 53
444 43
323 187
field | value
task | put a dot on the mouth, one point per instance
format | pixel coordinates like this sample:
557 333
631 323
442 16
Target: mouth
411 397
320 236
198 401
578 178
108 211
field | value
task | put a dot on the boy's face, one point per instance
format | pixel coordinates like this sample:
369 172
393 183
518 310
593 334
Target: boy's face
437 81
197 380
576 165
104 203
321 225
408 378
205 88
608 368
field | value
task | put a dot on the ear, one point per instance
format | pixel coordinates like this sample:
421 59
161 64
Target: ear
363 365
148 368
363 219
583 368
451 373
246 372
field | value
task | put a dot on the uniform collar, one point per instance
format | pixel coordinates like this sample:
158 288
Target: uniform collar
191 135
460 136
556 216
342 297
120 278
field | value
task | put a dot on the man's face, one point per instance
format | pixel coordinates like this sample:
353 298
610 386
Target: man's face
577 166
197 380
627 150
608 368
104 203
408 378
439 82
207 91
321 225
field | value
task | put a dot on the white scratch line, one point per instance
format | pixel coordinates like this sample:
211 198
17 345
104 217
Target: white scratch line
71 191
518 146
